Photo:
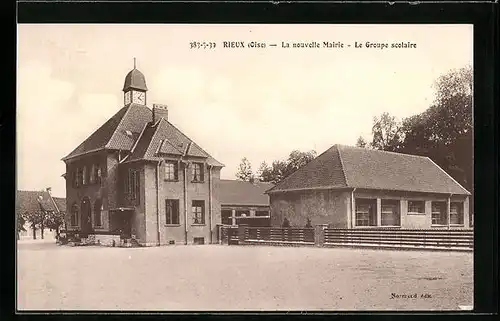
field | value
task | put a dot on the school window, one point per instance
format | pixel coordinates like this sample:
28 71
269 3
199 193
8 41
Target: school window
241 213
438 213
98 174
198 208
198 172
261 213
390 215
74 215
133 184
172 211
456 213
92 178
171 171
74 177
366 212
84 175
416 207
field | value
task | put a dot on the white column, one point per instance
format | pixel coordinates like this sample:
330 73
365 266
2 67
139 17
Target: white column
233 217
379 212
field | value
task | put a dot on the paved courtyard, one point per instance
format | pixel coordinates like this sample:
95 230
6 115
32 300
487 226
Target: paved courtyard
221 277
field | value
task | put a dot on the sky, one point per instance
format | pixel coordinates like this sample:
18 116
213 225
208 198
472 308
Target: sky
259 103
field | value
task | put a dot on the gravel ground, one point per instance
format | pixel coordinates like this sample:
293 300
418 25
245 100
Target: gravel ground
221 277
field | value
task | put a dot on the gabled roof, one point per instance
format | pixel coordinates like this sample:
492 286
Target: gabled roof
353 167
163 138
33 201
119 132
233 192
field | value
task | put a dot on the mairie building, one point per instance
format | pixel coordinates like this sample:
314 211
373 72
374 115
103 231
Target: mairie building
139 178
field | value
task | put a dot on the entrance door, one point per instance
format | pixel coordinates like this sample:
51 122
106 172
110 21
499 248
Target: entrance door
86 216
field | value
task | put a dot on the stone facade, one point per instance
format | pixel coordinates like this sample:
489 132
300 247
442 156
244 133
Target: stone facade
336 208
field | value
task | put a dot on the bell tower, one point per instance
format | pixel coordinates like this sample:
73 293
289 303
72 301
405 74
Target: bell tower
134 88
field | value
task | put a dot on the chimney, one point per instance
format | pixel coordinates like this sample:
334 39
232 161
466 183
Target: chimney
159 111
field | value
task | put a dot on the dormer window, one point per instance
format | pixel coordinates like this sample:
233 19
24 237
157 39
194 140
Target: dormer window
129 133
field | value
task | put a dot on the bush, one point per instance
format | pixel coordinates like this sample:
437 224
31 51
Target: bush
308 224
286 223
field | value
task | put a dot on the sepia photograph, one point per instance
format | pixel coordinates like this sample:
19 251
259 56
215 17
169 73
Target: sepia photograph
244 167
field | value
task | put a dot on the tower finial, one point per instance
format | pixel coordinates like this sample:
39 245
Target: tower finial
134 62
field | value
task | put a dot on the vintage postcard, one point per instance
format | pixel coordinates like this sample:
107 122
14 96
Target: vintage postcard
191 167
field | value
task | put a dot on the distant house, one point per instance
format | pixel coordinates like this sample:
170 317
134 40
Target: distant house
350 187
40 202
244 202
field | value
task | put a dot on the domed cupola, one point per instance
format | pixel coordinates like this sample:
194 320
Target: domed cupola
135 87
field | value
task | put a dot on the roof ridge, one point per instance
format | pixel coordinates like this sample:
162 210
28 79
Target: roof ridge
291 175
135 143
129 107
157 129
90 135
342 166
448 175
381 151
210 156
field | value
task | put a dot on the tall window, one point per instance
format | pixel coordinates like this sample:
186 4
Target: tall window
97 212
416 207
133 184
74 215
172 211
198 212
366 214
84 175
92 175
171 171
98 173
74 176
198 172
390 215
438 213
78 181
457 213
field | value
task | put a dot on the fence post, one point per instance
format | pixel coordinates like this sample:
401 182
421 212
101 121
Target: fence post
319 235
241 233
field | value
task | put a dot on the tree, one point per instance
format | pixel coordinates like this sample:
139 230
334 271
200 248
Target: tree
386 132
361 142
245 171
54 220
20 225
264 174
296 160
35 219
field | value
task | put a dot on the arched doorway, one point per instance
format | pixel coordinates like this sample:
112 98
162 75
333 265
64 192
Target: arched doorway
86 211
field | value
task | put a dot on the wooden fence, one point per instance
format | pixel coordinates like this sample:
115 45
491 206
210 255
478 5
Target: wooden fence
283 235
388 238
462 240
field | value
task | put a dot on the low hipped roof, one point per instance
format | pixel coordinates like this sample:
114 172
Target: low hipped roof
33 201
353 167
233 192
